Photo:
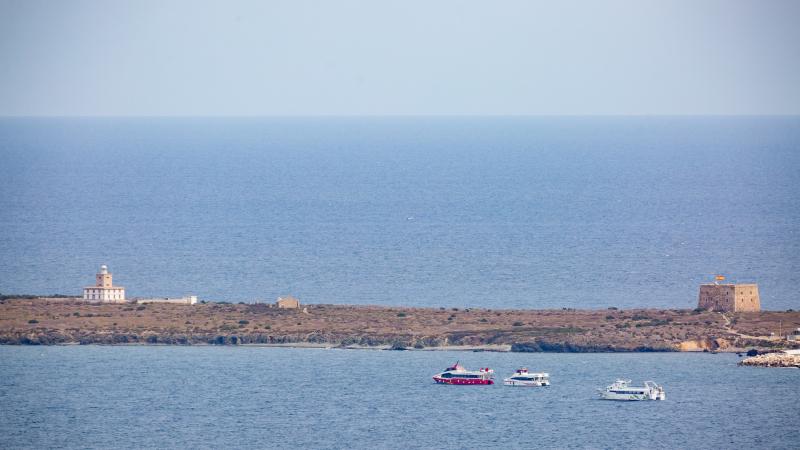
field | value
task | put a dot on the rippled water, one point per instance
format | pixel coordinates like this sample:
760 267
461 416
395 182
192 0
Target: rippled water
257 397
525 212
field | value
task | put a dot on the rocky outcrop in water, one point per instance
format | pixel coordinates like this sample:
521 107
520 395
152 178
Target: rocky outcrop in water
777 359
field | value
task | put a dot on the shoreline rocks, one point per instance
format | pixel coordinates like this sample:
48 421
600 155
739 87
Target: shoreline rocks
777 359
570 344
43 322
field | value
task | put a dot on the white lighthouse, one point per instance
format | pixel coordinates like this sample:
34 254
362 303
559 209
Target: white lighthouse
104 290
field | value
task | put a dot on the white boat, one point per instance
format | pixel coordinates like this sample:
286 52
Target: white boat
621 391
523 378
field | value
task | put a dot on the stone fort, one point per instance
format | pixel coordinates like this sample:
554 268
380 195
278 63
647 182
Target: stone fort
729 297
287 302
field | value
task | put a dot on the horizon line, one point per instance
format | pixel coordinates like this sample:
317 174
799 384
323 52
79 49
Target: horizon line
384 115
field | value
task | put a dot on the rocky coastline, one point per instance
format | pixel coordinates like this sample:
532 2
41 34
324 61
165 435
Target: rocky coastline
773 359
26 321
567 344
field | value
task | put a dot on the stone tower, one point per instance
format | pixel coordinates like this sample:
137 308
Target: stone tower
729 297
103 279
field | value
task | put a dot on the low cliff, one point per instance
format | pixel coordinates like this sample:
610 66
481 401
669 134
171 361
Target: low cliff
571 344
28 321
41 337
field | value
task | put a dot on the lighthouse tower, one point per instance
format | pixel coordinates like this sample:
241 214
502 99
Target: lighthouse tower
104 289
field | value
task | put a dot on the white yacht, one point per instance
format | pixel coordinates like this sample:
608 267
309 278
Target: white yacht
522 378
621 391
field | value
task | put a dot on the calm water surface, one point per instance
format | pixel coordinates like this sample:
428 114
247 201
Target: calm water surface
256 397
509 212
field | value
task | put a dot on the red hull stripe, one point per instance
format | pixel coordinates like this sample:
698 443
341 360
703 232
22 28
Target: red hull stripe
460 382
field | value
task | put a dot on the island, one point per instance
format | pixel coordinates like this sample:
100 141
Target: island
30 320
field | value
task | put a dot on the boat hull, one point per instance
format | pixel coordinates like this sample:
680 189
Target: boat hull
621 391
630 397
526 383
465 382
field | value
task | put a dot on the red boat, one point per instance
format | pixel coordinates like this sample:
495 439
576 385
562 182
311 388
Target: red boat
458 375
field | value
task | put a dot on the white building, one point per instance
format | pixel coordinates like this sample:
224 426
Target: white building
104 290
794 335
186 299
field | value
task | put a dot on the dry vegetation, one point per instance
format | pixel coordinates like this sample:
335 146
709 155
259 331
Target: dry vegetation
56 321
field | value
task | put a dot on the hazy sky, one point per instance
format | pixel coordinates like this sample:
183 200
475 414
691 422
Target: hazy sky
399 57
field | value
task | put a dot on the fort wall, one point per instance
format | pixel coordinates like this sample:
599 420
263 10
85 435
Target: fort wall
729 297
287 302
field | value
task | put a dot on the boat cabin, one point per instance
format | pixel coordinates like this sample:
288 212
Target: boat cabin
621 387
523 375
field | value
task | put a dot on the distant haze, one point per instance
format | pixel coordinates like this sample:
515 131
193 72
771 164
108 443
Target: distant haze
122 58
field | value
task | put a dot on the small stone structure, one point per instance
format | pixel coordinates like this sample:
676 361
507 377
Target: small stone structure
287 302
729 297
104 290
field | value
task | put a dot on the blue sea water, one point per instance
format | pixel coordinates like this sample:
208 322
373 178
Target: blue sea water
525 212
256 397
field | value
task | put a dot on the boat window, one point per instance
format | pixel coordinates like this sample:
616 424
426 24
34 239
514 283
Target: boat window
447 375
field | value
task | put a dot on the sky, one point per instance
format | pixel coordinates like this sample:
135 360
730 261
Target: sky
265 58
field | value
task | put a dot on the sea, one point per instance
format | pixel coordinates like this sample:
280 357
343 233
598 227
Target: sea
105 397
481 212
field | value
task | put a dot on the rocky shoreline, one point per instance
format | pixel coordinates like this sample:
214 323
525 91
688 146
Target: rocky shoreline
570 344
776 359
27 321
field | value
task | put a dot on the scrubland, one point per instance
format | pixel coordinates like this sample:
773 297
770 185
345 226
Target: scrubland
71 321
